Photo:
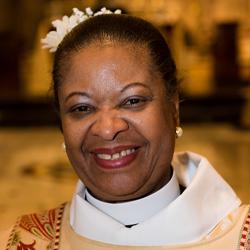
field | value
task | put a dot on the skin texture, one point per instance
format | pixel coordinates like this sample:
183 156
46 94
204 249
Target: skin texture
110 97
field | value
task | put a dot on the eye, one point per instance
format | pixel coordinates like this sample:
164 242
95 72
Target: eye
135 101
82 108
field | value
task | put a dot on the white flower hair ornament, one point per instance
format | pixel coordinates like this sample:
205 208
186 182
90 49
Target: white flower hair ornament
66 24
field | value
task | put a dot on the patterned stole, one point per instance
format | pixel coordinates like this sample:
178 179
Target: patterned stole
244 241
35 230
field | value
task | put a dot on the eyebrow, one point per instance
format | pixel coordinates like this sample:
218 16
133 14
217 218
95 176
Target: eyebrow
79 93
84 94
134 84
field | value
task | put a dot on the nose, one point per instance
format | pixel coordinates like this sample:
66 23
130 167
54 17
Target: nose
108 125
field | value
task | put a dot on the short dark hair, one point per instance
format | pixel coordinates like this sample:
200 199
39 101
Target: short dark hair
117 28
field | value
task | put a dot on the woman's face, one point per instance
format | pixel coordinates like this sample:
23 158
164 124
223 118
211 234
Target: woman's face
118 126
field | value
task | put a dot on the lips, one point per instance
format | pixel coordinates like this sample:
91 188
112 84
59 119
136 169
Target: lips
116 157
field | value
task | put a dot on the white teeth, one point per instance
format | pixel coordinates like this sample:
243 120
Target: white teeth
123 153
104 156
128 151
116 155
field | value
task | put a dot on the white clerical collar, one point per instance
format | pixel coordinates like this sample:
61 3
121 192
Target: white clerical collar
206 200
137 211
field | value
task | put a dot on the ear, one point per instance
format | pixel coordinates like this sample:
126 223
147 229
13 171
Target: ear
175 100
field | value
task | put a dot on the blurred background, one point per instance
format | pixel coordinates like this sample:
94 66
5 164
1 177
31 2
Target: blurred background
210 41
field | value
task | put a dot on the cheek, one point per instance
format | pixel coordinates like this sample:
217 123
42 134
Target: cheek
156 123
73 132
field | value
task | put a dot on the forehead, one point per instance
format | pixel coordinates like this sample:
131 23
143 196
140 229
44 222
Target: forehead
119 59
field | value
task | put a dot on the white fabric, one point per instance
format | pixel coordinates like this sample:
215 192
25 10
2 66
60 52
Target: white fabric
206 200
137 211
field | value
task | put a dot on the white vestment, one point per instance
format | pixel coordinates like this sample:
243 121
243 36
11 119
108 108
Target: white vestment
191 216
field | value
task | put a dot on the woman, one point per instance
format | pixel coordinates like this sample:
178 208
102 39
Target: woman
116 92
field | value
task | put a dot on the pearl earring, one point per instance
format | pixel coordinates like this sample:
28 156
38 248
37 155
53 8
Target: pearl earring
179 132
64 146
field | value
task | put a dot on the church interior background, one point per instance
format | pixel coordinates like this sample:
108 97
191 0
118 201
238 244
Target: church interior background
210 41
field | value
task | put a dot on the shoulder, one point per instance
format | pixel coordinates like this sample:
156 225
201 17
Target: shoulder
37 229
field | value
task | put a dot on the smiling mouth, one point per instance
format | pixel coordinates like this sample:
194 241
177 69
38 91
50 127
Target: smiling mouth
115 158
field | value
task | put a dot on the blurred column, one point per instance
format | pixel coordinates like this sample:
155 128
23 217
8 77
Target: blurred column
10 45
226 68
